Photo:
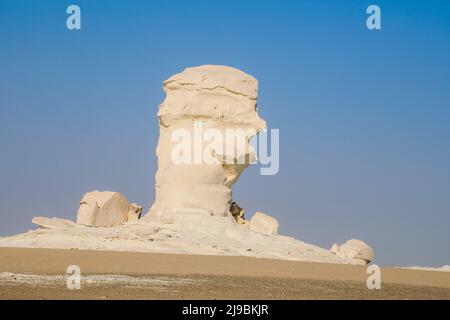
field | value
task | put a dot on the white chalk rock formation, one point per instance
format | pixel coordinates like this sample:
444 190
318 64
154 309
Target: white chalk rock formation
134 212
264 223
197 163
106 209
193 211
53 223
357 250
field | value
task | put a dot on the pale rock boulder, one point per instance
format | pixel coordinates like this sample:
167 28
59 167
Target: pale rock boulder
335 248
53 223
106 209
198 99
357 250
263 223
134 213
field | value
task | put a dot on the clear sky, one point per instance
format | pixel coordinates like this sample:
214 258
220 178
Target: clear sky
364 116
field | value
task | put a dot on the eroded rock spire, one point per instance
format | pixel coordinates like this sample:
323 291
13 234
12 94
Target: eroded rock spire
206 122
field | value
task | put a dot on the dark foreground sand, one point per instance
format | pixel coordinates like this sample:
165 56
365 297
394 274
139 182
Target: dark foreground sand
171 276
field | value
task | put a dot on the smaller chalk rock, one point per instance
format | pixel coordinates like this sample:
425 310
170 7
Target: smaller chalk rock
335 248
105 209
263 223
357 250
53 223
135 212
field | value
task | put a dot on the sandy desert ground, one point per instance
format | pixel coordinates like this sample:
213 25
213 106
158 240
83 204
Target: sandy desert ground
41 274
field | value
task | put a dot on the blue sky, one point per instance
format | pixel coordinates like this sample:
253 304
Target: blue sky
363 115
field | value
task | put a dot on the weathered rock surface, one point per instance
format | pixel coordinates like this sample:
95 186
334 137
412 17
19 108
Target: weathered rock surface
53 223
197 100
264 223
106 209
357 250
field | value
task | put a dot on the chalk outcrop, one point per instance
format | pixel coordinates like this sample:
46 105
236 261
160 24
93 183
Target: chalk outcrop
264 223
357 250
197 164
134 212
106 209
